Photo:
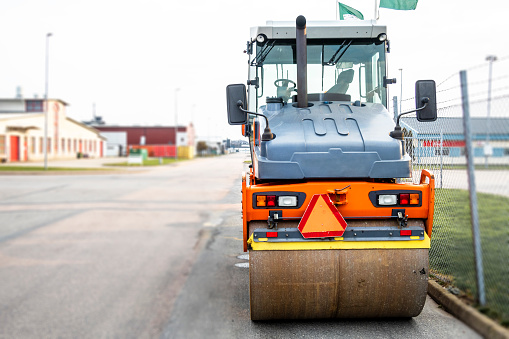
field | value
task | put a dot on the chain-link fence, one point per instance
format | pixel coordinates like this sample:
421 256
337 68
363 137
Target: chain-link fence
441 146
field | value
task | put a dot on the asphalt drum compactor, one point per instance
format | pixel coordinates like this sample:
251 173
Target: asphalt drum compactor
331 228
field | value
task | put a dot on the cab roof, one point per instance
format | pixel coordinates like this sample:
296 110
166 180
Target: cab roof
321 29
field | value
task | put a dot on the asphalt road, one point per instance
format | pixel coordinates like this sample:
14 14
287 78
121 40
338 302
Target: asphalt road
146 255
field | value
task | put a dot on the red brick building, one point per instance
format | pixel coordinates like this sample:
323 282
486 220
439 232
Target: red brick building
158 140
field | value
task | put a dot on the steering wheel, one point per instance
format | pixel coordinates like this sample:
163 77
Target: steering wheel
285 83
284 90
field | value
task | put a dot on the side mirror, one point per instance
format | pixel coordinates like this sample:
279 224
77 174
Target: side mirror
425 105
234 94
425 93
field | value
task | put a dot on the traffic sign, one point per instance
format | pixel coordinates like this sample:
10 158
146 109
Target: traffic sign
322 219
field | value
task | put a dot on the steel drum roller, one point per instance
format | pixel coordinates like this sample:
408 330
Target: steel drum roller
358 283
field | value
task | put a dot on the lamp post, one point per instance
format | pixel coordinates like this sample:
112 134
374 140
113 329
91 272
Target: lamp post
487 147
45 143
401 89
176 124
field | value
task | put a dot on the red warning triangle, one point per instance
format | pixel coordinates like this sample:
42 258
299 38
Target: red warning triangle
322 219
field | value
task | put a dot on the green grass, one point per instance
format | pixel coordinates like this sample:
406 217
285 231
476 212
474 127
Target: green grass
148 162
451 253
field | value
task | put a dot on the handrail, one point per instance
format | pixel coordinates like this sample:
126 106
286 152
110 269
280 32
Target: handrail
431 199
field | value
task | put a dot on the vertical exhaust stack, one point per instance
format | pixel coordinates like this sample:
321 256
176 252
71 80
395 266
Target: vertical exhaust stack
302 62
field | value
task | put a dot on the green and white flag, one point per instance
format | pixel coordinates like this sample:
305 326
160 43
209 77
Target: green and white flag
349 13
404 5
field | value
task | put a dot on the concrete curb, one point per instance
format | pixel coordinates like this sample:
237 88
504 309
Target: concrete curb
467 314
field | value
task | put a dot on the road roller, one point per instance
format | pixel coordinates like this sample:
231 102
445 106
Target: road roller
334 225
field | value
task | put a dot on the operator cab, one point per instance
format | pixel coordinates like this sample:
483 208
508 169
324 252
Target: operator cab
338 69
341 116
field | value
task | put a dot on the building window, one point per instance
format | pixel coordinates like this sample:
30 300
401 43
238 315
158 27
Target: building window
2 144
69 145
63 145
34 106
41 143
74 148
445 151
48 148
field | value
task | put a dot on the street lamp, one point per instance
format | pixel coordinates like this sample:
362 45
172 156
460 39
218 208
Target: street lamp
401 89
176 124
45 143
487 147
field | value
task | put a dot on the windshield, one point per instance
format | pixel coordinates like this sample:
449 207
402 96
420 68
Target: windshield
354 69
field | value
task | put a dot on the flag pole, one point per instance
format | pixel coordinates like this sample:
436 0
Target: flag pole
337 9
376 10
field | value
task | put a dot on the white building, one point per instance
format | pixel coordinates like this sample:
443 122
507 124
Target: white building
22 132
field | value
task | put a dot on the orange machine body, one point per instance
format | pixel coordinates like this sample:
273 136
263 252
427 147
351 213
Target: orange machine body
353 199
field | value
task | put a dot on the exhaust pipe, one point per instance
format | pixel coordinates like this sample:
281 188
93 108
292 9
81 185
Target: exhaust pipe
302 62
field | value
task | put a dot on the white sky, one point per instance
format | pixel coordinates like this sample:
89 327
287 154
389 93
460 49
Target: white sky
128 57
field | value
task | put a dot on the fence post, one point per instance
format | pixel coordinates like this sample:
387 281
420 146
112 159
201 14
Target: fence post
473 194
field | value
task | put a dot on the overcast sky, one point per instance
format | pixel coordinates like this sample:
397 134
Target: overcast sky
128 57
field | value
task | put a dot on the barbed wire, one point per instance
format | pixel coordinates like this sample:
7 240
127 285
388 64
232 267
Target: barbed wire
485 64
472 102
492 99
506 96
495 80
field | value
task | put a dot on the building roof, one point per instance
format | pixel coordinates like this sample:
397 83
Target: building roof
90 128
31 99
451 125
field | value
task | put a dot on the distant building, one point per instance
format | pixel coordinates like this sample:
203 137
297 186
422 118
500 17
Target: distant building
446 135
239 144
116 144
22 132
160 141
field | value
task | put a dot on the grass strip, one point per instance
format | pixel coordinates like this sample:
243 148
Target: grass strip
52 169
452 254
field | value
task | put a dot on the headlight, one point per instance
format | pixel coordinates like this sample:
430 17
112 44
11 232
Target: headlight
387 199
287 201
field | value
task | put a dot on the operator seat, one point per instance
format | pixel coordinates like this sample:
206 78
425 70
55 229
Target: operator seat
343 82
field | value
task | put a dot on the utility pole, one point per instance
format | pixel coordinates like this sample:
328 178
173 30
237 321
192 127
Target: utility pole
401 88
45 141
176 124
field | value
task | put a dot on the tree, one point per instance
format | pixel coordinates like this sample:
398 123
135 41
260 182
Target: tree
201 147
